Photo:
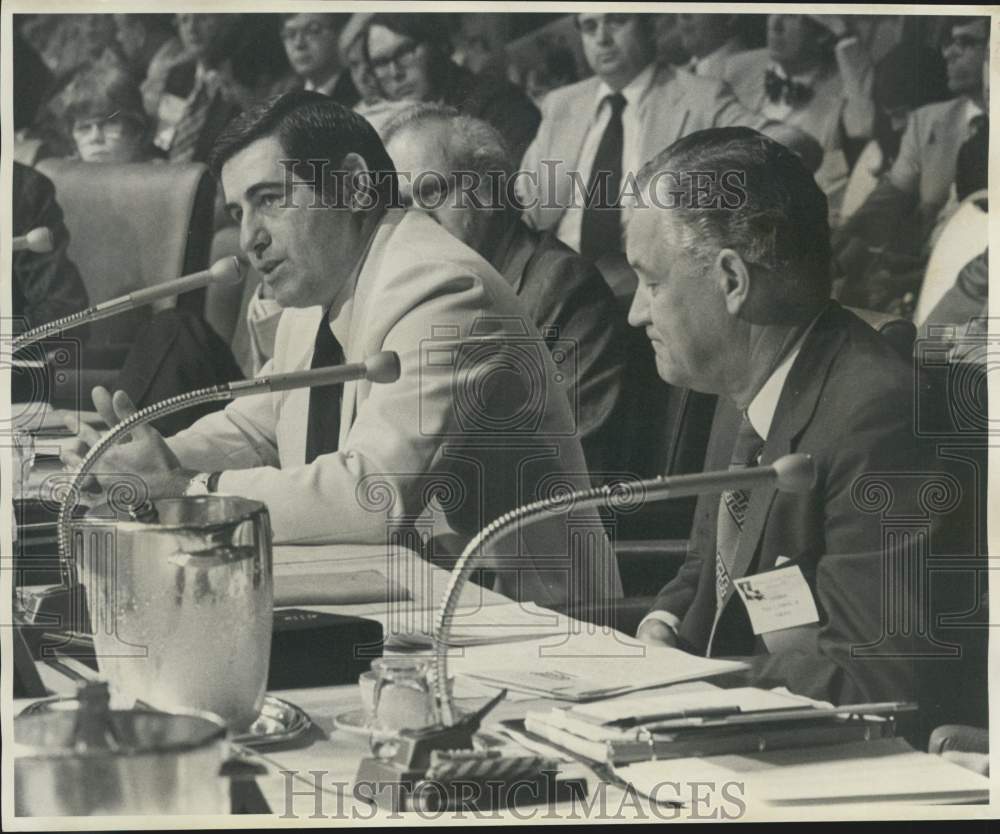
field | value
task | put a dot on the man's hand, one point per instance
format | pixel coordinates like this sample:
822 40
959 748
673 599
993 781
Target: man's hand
656 633
143 452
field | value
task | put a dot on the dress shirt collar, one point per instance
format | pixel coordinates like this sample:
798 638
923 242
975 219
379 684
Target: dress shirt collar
634 91
326 88
762 407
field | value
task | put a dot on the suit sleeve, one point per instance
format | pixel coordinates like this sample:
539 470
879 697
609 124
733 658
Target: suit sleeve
578 302
529 188
388 453
241 436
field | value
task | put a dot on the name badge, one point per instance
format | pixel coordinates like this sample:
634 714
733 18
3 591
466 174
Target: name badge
777 599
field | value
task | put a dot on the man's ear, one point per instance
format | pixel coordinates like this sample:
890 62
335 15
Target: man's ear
734 280
359 188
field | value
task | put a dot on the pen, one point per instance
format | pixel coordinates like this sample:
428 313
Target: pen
673 715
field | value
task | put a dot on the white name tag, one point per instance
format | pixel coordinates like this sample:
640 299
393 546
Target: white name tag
777 599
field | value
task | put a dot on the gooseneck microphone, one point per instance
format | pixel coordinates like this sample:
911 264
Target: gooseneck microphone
382 368
229 270
791 473
37 240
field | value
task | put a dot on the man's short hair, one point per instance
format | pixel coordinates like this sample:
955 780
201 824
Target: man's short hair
736 188
473 147
310 127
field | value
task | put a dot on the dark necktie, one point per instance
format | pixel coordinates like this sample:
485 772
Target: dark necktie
779 87
601 228
323 433
733 508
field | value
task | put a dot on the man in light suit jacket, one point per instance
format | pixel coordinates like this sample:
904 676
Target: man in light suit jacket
662 104
801 80
742 310
908 202
476 423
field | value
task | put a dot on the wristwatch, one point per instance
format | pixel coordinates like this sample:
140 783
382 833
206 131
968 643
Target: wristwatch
203 483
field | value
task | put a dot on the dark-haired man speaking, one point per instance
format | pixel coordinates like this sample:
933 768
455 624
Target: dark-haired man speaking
735 301
476 417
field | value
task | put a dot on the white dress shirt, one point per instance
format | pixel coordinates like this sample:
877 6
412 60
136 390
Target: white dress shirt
780 110
326 88
568 230
760 413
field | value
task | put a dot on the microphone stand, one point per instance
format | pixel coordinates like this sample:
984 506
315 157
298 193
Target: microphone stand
791 473
381 368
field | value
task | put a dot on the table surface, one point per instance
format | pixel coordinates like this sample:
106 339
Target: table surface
329 755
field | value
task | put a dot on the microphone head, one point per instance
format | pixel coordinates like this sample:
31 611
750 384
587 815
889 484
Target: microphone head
229 270
795 473
382 367
40 240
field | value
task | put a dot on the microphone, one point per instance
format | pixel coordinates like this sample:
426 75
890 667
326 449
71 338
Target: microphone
382 367
229 270
791 473
37 240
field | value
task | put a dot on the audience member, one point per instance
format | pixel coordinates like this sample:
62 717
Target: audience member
813 76
598 132
906 205
566 297
409 55
151 48
735 301
353 49
200 95
311 45
106 119
710 41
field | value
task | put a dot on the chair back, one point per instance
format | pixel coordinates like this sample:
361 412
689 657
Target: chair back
133 226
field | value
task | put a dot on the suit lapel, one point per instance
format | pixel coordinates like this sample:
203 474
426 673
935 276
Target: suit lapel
795 410
664 114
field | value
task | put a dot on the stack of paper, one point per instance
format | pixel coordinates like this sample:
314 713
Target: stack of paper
884 770
575 663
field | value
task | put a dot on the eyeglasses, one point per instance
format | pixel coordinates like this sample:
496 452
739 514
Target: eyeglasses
112 127
404 56
963 42
613 22
311 31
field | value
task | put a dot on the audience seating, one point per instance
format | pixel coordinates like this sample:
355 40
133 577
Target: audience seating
131 226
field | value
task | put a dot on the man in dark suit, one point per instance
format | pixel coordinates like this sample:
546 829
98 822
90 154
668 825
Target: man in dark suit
734 296
311 44
47 285
564 294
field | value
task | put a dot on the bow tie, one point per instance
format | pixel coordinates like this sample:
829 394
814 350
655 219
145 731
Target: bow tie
777 87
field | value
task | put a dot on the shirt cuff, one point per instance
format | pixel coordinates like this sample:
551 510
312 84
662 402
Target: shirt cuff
672 621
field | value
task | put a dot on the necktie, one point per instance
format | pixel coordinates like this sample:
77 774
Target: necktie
601 228
733 507
323 433
780 87
191 124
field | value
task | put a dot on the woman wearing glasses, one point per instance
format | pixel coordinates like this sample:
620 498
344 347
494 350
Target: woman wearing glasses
410 58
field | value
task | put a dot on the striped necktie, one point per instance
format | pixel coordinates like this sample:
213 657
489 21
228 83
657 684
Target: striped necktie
733 508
